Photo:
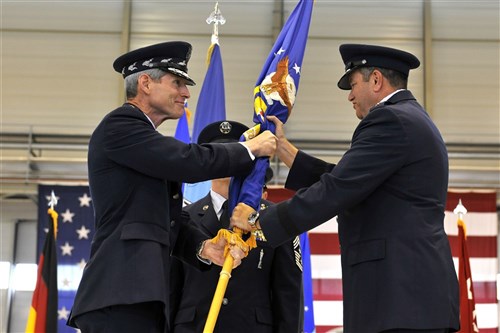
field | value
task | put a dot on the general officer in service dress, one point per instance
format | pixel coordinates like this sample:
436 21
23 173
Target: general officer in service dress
389 193
264 293
135 176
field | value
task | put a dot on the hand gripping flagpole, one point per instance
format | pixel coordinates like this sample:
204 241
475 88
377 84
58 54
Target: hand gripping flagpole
233 239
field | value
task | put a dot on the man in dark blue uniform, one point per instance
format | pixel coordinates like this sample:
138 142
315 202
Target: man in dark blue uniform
389 193
264 293
135 176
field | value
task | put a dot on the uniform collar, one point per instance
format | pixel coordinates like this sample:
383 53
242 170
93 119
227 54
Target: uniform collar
217 201
386 98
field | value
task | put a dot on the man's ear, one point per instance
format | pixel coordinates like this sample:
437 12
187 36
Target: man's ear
378 80
143 83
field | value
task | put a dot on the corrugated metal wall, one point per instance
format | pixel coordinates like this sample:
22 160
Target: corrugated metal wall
57 75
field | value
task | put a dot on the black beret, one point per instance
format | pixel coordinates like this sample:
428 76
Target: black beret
222 131
360 55
170 57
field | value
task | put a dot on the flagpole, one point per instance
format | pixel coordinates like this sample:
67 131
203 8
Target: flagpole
468 319
211 100
216 304
216 18
53 214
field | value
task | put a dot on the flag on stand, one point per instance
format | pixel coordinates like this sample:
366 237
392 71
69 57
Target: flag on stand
211 106
72 246
468 320
482 250
274 94
42 317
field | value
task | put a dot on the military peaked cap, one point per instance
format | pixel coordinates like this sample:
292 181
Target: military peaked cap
170 57
222 131
360 55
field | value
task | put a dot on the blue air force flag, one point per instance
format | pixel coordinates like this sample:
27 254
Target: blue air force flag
274 94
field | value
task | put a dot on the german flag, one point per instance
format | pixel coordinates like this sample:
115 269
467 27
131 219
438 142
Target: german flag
43 312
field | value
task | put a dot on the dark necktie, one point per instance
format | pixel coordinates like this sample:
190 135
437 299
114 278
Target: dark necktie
224 218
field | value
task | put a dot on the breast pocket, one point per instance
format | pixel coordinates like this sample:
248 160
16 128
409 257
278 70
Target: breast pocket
366 251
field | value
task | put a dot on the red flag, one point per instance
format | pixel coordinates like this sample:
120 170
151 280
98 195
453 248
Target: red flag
42 317
468 320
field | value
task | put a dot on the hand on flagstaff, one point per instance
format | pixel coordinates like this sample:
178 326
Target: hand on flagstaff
280 132
239 218
215 252
263 144
238 254
285 150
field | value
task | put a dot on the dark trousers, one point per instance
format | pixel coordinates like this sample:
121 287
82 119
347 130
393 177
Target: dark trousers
131 318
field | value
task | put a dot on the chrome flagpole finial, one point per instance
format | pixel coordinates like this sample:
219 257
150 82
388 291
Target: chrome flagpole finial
460 210
53 200
216 18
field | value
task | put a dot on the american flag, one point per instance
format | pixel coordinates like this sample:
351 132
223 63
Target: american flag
482 230
76 228
75 231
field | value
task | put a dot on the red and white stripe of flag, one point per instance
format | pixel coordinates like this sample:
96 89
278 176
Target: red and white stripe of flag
482 230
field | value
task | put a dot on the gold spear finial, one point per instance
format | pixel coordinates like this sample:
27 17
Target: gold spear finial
216 18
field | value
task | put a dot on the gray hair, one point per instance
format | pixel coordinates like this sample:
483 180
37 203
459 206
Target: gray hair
131 81
396 79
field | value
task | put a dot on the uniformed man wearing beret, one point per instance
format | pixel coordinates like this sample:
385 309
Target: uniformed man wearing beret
265 291
135 176
388 192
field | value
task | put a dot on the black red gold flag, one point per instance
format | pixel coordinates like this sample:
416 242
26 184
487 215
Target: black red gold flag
43 314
